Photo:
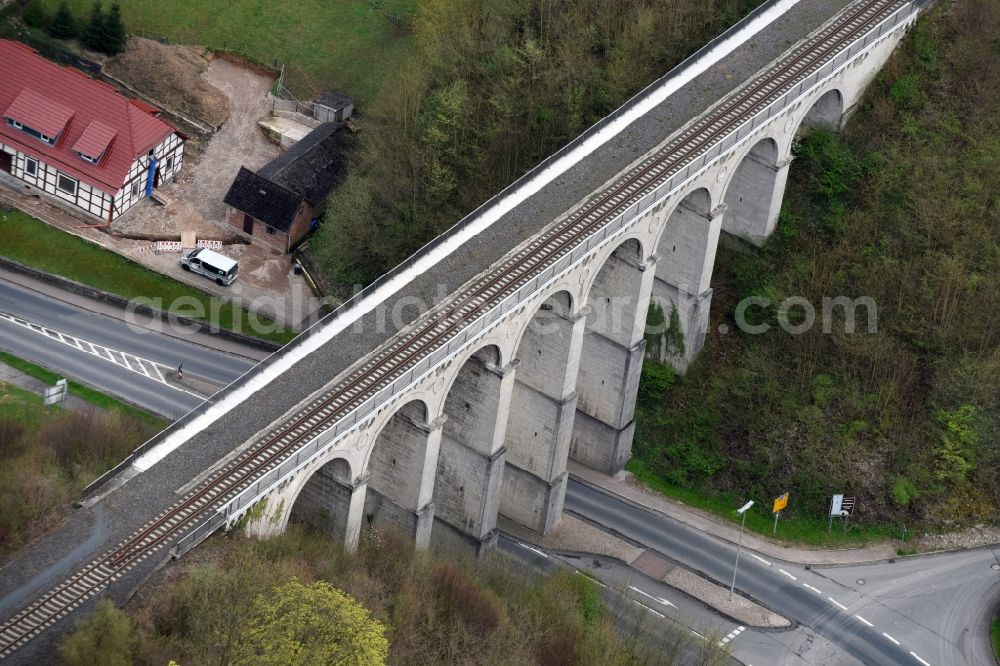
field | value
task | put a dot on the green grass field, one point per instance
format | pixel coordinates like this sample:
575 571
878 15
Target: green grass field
346 45
794 530
34 243
995 632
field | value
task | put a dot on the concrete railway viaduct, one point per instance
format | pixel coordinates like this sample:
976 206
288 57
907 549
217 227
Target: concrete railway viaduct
528 358
489 428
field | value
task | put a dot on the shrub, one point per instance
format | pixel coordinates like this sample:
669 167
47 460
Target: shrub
103 638
463 598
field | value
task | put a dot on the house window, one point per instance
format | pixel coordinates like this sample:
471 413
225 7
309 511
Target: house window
66 184
92 160
135 189
168 164
270 230
33 132
30 166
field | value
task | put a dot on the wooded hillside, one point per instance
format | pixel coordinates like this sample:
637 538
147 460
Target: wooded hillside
494 87
902 208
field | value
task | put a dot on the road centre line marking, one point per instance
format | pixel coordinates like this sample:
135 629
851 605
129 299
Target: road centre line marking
760 558
811 588
837 603
651 610
697 634
914 655
788 574
890 638
864 621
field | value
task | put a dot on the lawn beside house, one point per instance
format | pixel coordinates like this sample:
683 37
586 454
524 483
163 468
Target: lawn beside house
348 45
36 244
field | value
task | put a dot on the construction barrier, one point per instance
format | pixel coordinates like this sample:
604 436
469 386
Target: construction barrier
210 244
168 246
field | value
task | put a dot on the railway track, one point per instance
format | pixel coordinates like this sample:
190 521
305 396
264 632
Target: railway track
400 354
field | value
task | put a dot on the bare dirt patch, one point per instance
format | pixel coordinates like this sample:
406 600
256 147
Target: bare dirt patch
171 74
197 194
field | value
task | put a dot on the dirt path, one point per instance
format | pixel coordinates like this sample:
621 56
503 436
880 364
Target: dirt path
197 194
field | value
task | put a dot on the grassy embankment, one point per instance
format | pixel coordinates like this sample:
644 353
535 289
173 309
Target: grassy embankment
34 243
349 46
995 633
901 209
47 454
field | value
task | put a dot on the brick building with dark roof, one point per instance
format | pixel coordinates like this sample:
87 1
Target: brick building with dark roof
78 139
278 204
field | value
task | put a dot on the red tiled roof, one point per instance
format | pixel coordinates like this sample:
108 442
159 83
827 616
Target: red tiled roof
143 106
39 112
24 72
95 139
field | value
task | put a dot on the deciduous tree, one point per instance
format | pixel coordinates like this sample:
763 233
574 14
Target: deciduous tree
308 625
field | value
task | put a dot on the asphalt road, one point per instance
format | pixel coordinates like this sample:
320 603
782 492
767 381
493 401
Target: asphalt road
920 611
205 369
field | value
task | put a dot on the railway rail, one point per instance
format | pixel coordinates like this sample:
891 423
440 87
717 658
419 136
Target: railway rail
440 326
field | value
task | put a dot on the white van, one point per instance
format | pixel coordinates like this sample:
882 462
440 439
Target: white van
212 265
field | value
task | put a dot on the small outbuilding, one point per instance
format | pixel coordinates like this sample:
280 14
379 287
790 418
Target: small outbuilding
280 203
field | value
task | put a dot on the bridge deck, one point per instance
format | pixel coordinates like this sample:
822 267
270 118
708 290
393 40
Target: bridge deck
91 531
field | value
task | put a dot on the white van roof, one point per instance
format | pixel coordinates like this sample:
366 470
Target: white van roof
220 261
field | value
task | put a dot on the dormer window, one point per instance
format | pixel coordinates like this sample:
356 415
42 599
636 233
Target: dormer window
50 140
92 160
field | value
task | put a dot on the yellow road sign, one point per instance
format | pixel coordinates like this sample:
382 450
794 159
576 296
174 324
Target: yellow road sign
780 503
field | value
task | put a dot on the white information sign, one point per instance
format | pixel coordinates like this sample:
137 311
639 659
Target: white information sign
835 509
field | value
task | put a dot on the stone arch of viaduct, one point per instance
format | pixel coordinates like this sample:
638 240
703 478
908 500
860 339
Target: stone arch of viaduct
490 430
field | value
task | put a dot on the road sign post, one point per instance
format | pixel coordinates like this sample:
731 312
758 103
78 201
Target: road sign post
55 395
842 506
779 504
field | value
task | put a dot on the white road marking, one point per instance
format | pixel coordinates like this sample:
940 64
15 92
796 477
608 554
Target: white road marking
101 352
651 610
697 634
914 655
788 574
659 599
811 588
837 603
890 638
760 558
732 635
591 578
534 550
863 620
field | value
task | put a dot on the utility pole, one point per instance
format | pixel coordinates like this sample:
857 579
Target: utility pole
739 546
